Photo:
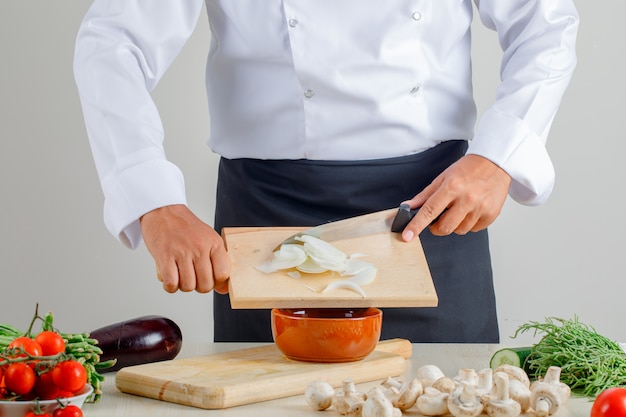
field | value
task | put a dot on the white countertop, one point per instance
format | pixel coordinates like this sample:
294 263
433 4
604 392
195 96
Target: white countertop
449 357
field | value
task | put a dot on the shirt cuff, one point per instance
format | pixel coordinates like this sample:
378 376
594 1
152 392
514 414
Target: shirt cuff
135 192
508 142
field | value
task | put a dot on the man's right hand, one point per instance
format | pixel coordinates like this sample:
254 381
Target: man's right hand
189 254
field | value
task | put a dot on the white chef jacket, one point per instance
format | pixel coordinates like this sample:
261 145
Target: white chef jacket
321 80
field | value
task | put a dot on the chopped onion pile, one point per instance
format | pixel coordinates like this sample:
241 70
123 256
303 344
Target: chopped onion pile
315 256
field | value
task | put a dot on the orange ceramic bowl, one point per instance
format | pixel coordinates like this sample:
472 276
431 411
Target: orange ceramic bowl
325 334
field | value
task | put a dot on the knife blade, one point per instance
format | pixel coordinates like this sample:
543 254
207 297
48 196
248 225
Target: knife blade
390 220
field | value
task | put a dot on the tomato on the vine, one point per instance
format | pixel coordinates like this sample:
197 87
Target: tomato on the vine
610 403
19 378
70 375
51 342
27 344
45 388
68 411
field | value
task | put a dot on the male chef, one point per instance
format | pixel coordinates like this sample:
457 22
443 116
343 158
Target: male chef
322 110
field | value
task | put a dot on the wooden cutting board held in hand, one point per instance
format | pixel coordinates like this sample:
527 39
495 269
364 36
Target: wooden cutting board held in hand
252 375
403 278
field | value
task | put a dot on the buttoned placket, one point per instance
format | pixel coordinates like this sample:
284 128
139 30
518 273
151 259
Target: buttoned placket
296 34
294 24
322 115
416 16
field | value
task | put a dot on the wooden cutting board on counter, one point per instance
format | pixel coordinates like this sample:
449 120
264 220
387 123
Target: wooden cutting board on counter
403 278
252 375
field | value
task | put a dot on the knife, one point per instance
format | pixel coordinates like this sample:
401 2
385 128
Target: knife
390 220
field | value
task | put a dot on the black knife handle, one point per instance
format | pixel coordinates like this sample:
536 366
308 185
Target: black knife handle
404 216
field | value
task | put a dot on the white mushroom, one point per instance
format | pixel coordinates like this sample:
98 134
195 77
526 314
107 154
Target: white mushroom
466 375
514 372
484 385
502 405
402 394
432 402
349 401
546 396
444 384
428 374
432 376
520 393
378 405
519 384
319 395
553 377
464 402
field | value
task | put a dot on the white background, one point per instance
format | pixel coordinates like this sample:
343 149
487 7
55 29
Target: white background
562 259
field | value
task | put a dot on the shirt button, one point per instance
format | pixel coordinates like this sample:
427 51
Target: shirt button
309 93
416 16
293 23
415 90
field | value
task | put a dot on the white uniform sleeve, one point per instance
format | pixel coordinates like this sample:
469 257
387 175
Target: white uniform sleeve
122 50
538 40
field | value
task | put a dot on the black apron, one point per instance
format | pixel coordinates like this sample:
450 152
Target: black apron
253 192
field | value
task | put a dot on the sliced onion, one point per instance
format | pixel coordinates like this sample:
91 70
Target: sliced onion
310 288
347 284
288 256
365 276
290 252
320 249
354 266
316 256
329 264
266 267
311 267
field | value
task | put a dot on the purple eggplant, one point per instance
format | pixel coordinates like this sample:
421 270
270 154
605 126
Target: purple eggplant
137 341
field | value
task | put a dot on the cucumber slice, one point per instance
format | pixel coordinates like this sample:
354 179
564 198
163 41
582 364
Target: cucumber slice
510 356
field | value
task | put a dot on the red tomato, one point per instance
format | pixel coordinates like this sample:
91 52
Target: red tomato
45 388
51 342
68 411
610 403
19 378
27 344
70 375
